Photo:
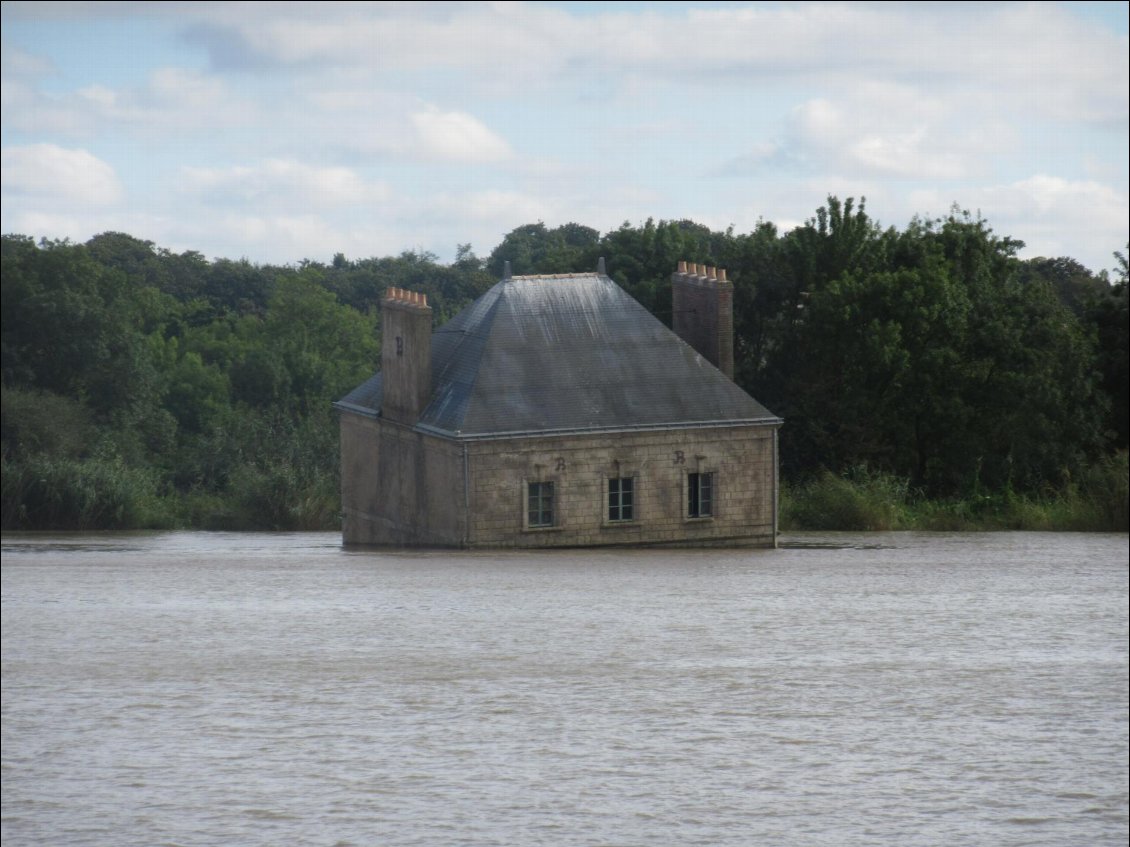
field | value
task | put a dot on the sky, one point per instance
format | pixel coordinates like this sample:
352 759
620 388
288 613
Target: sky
279 132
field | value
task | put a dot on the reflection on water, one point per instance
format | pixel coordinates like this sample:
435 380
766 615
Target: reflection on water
888 689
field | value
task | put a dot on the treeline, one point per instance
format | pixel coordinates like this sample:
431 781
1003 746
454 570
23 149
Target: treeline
145 388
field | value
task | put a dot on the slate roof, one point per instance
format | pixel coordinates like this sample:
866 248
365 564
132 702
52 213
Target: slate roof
565 353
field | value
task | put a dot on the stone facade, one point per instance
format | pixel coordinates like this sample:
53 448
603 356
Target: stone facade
400 487
740 458
410 488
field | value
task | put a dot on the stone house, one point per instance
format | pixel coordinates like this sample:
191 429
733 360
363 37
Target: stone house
556 411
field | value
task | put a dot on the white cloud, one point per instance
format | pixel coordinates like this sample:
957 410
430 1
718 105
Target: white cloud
51 225
494 206
98 96
294 235
15 62
1049 193
80 224
283 183
906 154
170 101
380 125
1053 216
1033 56
38 173
181 89
279 238
896 131
457 137
408 35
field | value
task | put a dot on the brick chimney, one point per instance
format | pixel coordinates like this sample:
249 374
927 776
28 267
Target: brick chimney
702 300
406 355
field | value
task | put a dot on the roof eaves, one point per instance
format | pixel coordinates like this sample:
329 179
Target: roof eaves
353 407
598 430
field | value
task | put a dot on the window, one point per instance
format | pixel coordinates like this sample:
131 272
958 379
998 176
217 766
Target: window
621 499
700 495
540 504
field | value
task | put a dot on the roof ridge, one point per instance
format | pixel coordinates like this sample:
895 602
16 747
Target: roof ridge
468 337
584 275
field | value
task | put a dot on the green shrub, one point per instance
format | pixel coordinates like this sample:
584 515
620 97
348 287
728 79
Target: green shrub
861 500
281 497
1106 486
48 493
34 422
1098 502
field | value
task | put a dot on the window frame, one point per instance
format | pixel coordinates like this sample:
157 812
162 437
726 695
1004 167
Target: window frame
693 500
618 504
528 493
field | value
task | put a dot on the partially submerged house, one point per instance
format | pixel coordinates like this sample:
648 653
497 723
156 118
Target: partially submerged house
556 411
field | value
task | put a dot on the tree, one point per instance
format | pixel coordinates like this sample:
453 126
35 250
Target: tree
73 327
927 355
535 249
1107 315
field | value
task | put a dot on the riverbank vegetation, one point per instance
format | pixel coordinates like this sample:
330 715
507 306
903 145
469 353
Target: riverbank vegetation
929 378
860 500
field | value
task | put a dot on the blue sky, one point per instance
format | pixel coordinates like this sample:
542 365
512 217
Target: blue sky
283 131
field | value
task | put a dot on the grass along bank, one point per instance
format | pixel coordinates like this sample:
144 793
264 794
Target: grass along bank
866 501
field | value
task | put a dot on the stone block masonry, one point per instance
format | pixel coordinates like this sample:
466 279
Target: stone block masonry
407 488
740 458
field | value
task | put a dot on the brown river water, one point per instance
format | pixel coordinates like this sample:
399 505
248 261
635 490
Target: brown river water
274 689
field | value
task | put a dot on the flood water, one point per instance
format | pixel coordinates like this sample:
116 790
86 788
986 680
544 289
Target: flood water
882 689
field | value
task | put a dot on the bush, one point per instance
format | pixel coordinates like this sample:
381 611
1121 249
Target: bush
71 494
280 497
1106 486
41 422
862 500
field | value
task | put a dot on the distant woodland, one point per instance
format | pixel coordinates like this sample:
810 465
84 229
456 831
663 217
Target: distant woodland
144 388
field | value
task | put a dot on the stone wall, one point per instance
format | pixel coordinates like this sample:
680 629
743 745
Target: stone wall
400 487
406 488
740 457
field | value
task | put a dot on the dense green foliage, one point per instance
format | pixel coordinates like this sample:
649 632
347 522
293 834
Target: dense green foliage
144 388
861 500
